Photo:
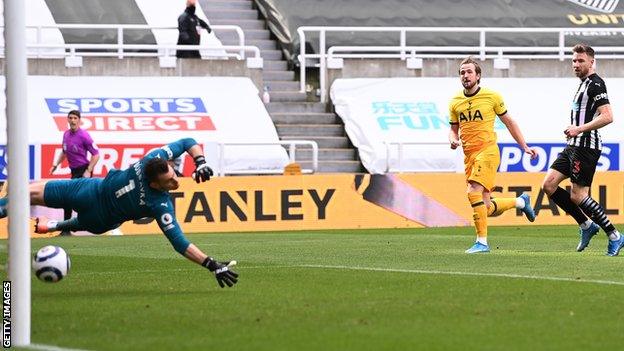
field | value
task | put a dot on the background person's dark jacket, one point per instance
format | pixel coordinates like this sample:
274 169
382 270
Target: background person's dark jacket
187 28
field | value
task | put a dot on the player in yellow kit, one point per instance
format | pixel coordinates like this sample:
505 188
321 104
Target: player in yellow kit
472 114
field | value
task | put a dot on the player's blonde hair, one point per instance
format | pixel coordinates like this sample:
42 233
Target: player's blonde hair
584 49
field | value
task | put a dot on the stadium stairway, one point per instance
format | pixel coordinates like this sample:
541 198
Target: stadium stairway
294 117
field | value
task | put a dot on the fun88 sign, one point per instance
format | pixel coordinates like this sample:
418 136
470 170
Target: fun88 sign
513 158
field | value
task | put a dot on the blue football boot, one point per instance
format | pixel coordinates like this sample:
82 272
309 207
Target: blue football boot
528 209
586 235
478 248
613 249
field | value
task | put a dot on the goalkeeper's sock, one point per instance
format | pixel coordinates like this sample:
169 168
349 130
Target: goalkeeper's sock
71 224
479 215
3 207
500 205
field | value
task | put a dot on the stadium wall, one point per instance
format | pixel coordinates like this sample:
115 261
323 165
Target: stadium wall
386 68
143 67
348 201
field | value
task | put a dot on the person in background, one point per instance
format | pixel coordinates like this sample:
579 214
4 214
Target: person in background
189 29
76 144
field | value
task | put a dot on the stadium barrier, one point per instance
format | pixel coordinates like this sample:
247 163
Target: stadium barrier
46 45
292 147
331 59
348 201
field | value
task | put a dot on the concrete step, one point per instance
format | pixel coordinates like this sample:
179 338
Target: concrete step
262 44
344 166
250 34
275 65
278 75
231 14
304 130
279 85
305 118
232 4
271 54
324 142
296 107
244 24
288 96
326 155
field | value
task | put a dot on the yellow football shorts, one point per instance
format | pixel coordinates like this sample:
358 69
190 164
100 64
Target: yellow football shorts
481 165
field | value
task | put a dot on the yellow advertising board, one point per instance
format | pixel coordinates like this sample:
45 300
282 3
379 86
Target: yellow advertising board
348 201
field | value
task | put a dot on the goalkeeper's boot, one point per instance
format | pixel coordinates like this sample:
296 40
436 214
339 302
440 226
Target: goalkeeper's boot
44 225
586 235
528 209
614 246
478 248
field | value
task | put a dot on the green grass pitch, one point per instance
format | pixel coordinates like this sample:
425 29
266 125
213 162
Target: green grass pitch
336 290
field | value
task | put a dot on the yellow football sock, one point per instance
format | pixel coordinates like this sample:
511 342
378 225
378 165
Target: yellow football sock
480 213
500 205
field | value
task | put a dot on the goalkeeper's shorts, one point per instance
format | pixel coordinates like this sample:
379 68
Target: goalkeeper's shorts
82 196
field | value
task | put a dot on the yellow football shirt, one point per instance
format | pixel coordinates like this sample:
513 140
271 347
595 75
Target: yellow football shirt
476 115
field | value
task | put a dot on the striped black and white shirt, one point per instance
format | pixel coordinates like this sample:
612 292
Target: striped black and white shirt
591 94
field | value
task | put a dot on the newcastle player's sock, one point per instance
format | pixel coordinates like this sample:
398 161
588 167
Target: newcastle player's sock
562 199
596 213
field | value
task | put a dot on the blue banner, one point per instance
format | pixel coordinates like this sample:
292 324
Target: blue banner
513 158
4 159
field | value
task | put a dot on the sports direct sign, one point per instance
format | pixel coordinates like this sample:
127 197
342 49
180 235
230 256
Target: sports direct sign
133 114
127 116
403 123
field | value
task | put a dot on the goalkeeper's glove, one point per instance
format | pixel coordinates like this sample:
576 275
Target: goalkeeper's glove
202 171
222 271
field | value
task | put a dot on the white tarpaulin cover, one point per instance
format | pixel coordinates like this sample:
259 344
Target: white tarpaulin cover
125 115
381 111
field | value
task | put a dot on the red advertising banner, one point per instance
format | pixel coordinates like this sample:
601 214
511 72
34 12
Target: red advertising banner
112 156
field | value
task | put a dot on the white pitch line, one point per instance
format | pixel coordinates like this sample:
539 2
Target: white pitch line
477 274
176 270
377 269
50 348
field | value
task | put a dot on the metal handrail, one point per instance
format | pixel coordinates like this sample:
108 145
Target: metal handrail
169 50
499 51
291 155
120 28
552 52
